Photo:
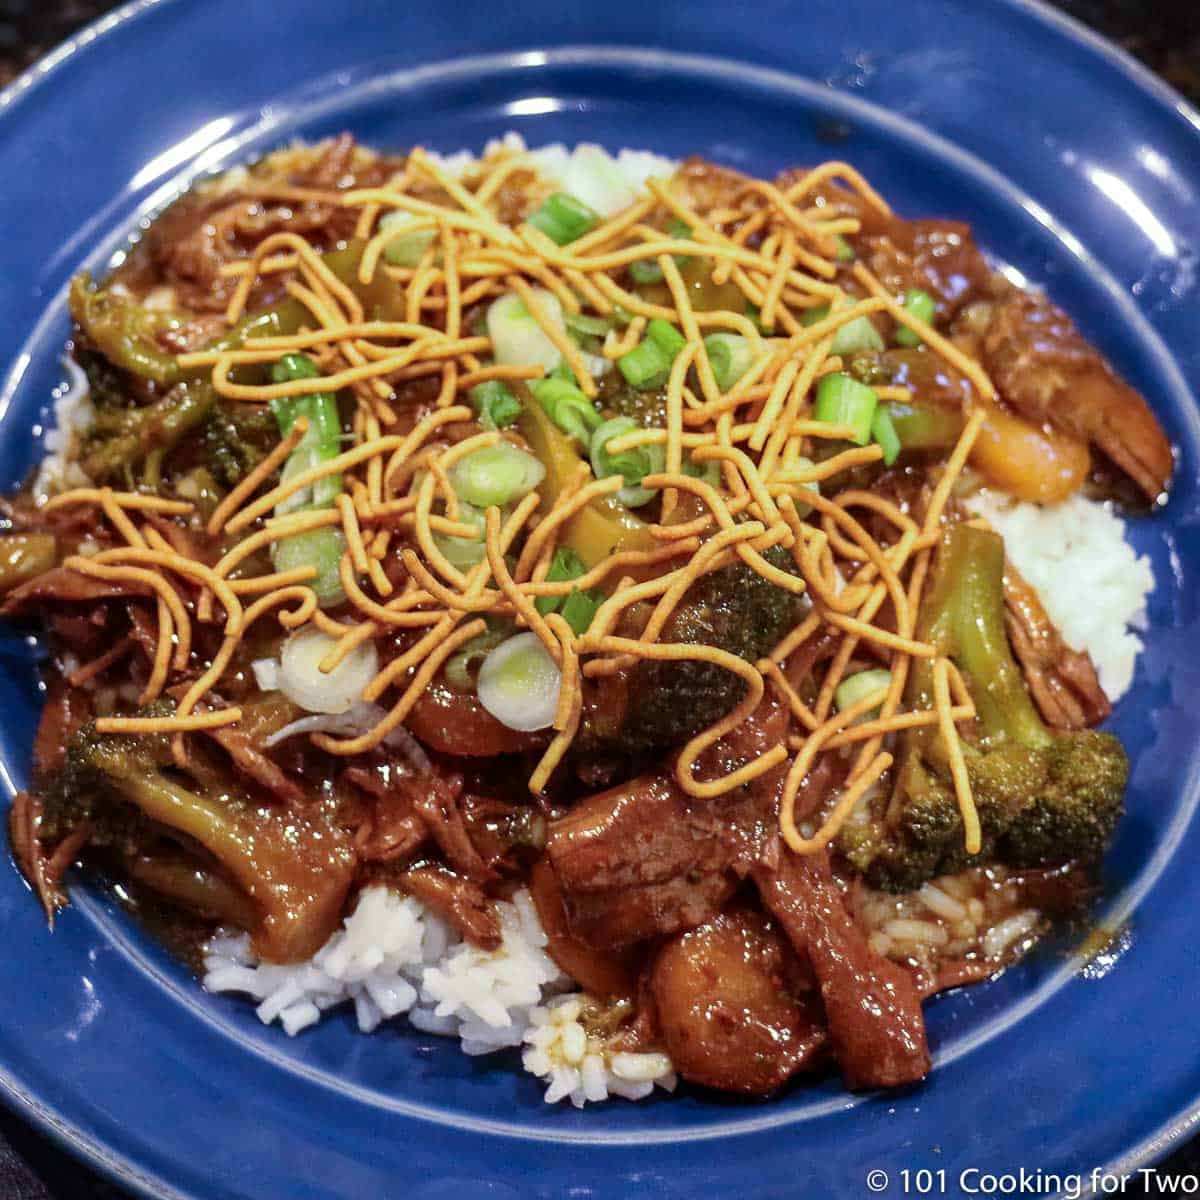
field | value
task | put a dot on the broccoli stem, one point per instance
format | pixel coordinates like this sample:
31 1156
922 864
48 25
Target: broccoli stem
964 618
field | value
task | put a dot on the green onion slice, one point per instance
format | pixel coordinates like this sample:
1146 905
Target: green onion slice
495 403
884 433
842 400
589 325
567 407
645 367
645 270
461 669
856 335
517 339
790 474
921 305
730 356
495 475
562 218
408 245
666 337
462 552
519 684
858 687
632 465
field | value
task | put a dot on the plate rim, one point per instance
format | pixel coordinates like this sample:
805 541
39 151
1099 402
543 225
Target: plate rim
119 1168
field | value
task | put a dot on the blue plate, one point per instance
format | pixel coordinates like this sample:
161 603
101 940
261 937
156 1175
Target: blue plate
1075 167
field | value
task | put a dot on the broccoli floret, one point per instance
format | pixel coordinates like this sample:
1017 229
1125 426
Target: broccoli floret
648 408
733 609
130 444
1042 798
236 438
197 839
1074 815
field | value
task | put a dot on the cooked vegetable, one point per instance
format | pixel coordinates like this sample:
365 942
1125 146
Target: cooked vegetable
730 355
496 475
411 239
290 871
303 682
517 339
462 669
563 219
519 684
497 406
128 445
856 335
123 330
733 609
319 548
564 566
883 433
648 364
842 400
462 552
599 528
922 306
858 687
1043 799
632 465
567 407
24 556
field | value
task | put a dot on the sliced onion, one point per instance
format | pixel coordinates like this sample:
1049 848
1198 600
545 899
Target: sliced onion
517 339
519 684
304 683
358 719
266 674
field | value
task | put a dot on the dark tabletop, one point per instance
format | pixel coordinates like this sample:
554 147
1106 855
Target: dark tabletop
1165 34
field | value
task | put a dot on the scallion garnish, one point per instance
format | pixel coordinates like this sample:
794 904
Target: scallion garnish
633 464
921 305
842 400
567 407
565 565
884 433
562 218
495 403
496 475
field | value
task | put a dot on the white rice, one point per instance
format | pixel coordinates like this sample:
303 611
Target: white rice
1001 936
588 172
394 956
1092 582
73 414
582 1067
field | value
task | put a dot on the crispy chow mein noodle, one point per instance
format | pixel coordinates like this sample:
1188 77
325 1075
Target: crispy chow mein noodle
449 466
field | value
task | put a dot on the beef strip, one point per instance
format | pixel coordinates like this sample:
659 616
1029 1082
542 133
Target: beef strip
66 710
394 831
435 799
646 858
252 761
459 900
62 585
733 1005
872 1006
453 722
1062 681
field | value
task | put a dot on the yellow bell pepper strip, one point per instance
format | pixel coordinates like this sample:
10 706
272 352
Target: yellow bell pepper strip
599 528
